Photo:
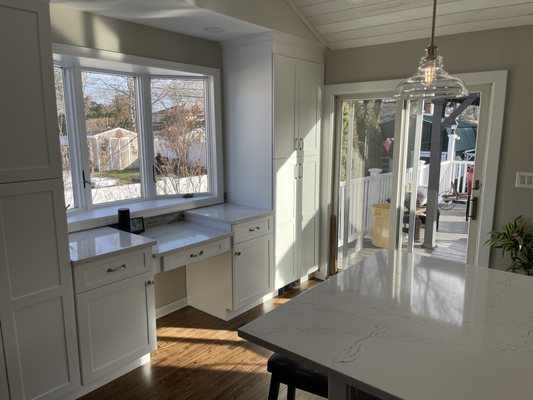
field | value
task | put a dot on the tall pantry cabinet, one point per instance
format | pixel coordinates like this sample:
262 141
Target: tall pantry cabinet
37 321
272 86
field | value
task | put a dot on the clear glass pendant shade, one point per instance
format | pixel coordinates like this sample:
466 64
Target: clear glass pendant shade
431 80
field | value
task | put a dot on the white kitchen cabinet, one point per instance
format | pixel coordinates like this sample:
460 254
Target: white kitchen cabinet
29 142
229 284
116 325
115 310
297 86
252 270
36 296
273 95
4 389
296 218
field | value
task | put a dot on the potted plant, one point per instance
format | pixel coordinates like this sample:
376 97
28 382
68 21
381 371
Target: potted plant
517 241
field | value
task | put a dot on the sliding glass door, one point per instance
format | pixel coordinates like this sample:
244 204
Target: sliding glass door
364 160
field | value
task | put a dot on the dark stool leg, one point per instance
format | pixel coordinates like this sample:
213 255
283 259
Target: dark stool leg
274 389
291 392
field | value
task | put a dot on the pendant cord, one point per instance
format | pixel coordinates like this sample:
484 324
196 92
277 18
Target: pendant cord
433 23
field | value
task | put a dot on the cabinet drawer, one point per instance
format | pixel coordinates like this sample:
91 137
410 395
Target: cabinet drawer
111 269
193 254
252 229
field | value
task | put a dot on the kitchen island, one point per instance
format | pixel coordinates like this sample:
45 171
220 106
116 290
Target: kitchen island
400 326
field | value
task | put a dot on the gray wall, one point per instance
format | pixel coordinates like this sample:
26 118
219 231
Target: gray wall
83 29
499 49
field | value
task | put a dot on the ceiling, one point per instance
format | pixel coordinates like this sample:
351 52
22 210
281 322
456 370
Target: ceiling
172 15
354 23
337 23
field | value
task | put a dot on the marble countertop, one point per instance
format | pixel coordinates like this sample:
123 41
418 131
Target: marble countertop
229 213
400 326
181 235
86 246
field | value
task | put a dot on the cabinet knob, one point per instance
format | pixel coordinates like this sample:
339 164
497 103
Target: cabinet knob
149 283
254 229
237 253
122 267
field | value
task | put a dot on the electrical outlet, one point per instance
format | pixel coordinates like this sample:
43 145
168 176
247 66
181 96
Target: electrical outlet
524 180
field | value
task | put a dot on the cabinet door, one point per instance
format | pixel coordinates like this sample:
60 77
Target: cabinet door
286 175
116 325
29 143
4 389
252 270
308 216
284 106
36 295
309 89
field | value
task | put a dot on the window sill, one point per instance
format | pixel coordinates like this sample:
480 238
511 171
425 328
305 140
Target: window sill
81 220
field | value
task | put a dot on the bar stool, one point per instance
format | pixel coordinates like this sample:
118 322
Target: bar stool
291 373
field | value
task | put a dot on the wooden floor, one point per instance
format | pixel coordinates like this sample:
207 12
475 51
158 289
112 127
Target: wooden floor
201 357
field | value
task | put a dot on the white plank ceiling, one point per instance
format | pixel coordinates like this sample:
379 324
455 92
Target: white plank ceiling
354 23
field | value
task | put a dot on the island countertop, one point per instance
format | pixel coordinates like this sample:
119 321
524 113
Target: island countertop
400 326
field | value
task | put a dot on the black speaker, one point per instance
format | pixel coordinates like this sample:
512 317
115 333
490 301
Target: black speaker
124 219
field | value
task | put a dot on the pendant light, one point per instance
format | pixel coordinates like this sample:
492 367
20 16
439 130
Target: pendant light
431 80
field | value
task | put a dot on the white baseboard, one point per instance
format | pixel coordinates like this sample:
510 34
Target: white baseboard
171 307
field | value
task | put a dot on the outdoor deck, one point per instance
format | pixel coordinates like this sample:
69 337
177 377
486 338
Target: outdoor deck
451 238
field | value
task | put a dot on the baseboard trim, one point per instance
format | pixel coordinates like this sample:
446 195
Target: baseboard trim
171 307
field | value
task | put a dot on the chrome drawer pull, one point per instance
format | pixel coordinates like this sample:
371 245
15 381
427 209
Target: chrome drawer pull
148 283
122 267
197 254
254 229
237 253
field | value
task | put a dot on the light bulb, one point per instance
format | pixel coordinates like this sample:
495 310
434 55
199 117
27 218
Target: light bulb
430 72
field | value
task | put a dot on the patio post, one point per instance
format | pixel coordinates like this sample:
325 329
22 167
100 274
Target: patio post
434 175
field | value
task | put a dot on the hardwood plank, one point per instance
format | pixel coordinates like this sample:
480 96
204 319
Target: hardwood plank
199 356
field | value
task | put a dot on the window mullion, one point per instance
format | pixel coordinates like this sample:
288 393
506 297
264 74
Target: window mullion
214 137
84 186
146 141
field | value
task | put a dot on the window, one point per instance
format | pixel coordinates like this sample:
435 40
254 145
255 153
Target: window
112 136
179 129
131 133
63 137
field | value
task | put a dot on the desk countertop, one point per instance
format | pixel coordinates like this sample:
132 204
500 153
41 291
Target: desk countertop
411 327
89 245
229 213
181 235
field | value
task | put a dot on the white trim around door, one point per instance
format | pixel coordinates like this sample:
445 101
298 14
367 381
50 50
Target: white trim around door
498 85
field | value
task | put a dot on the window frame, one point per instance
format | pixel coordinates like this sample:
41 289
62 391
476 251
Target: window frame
74 60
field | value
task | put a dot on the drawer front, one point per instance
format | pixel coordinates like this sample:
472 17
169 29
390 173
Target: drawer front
197 253
111 269
252 229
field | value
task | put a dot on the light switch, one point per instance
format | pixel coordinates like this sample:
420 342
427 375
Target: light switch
524 180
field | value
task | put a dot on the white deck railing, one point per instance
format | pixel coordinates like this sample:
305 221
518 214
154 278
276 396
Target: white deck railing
364 192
